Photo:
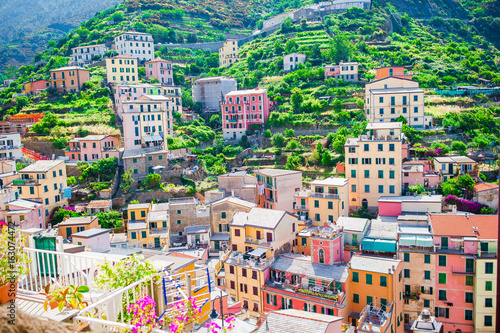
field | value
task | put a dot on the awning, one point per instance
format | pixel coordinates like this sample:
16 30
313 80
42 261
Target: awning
407 240
257 252
384 245
158 167
425 241
368 244
456 240
147 138
157 138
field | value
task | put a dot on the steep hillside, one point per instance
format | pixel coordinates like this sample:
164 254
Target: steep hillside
27 25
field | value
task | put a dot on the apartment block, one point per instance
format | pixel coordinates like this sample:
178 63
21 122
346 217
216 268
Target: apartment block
241 110
142 161
292 60
148 225
122 69
69 79
147 121
175 94
43 181
375 292
347 72
223 210
373 164
93 148
453 166
228 53
35 87
11 146
135 44
415 205
161 70
185 212
211 91
276 188
327 200
24 214
421 172
238 184
84 55
391 97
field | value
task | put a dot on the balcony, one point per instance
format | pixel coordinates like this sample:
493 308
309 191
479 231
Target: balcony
325 195
269 199
486 254
6 147
467 271
224 103
301 207
30 182
109 148
237 259
269 186
262 241
233 120
338 299
73 149
448 250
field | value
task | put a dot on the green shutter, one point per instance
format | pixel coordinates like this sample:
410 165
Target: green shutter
267 299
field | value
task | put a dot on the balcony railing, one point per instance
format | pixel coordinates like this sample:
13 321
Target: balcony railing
301 207
252 240
470 271
486 254
109 148
26 182
454 250
270 199
325 195
73 149
237 259
269 186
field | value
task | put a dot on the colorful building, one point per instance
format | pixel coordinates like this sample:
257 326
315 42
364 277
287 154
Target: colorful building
375 284
122 69
35 87
291 320
327 200
223 210
450 167
373 164
416 204
161 70
241 109
397 71
276 188
228 53
381 237
93 148
420 172
69 79
486 194
72 225
355 229
24 214
84 55
11 146
344 71
135 44
148 225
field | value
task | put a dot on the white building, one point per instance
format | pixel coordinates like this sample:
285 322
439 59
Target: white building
211 91
10 146
228 53
197 235
83 55
292 60
135 44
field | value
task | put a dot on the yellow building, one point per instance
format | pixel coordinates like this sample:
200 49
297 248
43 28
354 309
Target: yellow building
43 181
453 166
148 225
228 53
122 69
257 238
376 284
388 98
327 200
373 164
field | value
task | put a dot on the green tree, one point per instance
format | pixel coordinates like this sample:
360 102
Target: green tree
458 145
20 166
127 181
71 180
451 187
296 98
292 144
278 140
326 158
153 179
289 132
267 133
340 49
61 213
110 220
466 181
278 48
291 46
21 102
416 188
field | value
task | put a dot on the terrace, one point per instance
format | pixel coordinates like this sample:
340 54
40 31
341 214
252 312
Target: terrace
312 292
374 318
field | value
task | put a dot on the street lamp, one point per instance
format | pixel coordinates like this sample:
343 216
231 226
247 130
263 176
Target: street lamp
214 314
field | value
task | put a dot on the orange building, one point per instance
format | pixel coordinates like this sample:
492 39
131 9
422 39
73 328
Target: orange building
69 79
36 87
376 285
72 225
398 71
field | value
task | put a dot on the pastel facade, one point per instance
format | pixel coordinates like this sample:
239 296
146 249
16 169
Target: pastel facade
327 200
84 55
43 181
347 72
289 320
355 230
161 70
398 71
223 210
35 87
373 164
486 194
95 240
453 166
24 214
291 61
185 212
149 225
211 91
135 44
122 69
228 53
69 79
420 172
276 188
391 97
147 121
73 225
93 148
420 204
239 184
197 235
11 146
242 109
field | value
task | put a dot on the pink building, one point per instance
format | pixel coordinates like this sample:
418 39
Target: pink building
241 110
93 148
25 214
456 245
161 70
409 204
327 246
421 172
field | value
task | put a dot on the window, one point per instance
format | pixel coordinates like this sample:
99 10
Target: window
244 272
353 173
442 261
304 241
442 295
469 280
427 275
368 279
353 187
391 146
406 273
488 286
442 278
415 98
488 268
392 189
381 189
232 285
391 174
381 174
427 259
32 189
133 236
406 257
442 312
393 100
316 203
391 161
488 302
254 275
383 281
367 173
355 298
366 147
223 215
367 188
427 303
380 147
468 314
255 291
45 188
381 99
355 277
143 234
318 217
469 298
330 205
237 232
488 320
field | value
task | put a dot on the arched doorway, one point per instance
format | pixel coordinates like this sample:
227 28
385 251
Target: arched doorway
321 256
364 204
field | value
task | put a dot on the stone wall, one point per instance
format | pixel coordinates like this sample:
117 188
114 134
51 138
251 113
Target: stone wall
43 147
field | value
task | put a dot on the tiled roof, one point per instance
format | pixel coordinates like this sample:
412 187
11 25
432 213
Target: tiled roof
296 321
373 264
99 204
487 226
485 187
300 264
258 217
77 221
451 225
276 172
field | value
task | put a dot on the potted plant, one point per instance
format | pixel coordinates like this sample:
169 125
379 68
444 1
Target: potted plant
12 259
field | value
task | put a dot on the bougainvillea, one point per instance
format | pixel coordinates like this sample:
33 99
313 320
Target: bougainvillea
467 206
143 315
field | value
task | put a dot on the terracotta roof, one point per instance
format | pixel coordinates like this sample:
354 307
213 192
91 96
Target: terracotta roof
484 187
122 56
99 204
451 225
487 226
158 60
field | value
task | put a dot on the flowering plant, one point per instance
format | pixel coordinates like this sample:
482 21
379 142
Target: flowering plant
183 313
143 315
213 327
12 255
